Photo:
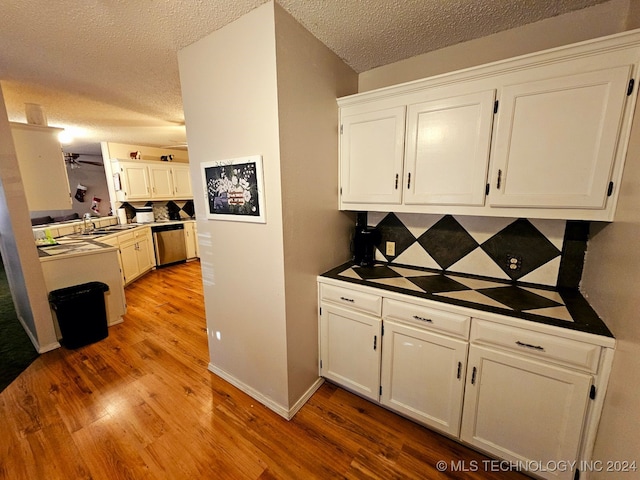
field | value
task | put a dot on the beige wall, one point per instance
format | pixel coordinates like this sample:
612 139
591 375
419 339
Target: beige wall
597 21
263 85
230 102
18 248
316 234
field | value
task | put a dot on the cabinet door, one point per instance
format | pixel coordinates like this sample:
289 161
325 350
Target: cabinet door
190 239
42 167
423 376
161 181
556 139
448 144
135 181
524 410
145 256
129 259
371 156
350 346
182 182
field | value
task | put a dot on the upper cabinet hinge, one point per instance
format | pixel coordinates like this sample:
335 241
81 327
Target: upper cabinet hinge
341 129
486 190
630 87
495 106
610 189
340 190
592 392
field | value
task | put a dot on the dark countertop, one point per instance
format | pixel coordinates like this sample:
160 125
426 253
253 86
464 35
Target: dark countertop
564 308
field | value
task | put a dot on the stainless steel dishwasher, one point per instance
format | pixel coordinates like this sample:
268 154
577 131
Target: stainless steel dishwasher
169 245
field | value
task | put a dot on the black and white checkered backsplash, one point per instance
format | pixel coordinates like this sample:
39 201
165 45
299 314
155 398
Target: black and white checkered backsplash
548 252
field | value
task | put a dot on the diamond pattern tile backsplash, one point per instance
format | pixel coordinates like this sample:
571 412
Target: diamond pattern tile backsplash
163 210
519 250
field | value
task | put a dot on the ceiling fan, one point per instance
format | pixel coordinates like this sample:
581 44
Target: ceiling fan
71 159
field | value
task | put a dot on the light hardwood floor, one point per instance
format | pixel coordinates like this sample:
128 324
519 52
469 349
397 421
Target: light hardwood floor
141 404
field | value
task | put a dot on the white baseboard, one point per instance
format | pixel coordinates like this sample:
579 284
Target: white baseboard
286 413
305 397
34 340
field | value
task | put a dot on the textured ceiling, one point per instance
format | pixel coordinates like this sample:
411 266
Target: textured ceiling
107 69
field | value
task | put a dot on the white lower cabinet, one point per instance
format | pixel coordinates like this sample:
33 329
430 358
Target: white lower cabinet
136 254
191 239
524 410
423 375
531 396
350 354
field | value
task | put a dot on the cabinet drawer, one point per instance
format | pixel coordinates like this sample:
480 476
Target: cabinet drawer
425 317
365 302
125 237
142 232
541 345
113 241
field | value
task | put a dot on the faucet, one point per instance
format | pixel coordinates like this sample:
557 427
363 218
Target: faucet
87 224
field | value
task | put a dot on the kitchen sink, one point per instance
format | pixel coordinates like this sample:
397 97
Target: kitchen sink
109 229
120 227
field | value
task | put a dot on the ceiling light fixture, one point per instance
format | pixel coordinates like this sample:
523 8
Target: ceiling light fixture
65 138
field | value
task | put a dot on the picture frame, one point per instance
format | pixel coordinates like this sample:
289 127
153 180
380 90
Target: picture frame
234 189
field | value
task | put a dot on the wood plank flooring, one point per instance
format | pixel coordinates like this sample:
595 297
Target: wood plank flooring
142 405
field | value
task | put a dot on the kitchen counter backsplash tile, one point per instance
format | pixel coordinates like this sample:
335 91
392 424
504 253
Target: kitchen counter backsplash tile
549 252
162 211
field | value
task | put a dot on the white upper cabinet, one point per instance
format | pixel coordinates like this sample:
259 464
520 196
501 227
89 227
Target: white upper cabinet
135 184
539 136
149 180
42 167
181 181
161 181
447 155
556 140
373 143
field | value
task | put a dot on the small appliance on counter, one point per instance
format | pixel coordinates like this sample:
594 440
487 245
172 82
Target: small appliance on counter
365 239
144 215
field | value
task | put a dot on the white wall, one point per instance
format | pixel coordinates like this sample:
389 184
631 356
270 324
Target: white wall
18 249
229 94
316 234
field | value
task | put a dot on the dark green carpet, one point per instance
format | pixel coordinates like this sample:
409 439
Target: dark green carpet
16 350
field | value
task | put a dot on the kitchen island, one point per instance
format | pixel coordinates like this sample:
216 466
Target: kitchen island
74 261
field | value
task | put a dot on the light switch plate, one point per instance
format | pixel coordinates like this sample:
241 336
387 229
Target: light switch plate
391 249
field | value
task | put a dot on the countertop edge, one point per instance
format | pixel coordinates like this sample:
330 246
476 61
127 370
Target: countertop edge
595 332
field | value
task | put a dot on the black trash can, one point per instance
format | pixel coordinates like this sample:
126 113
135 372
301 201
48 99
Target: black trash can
81 313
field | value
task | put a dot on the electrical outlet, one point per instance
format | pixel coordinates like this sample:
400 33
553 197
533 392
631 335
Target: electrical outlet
514 262
391 249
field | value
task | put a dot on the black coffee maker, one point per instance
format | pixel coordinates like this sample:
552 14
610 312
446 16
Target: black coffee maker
365 239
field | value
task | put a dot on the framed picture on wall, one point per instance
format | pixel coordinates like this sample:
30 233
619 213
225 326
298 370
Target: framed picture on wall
234 189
